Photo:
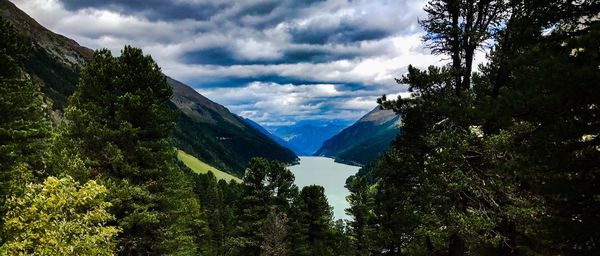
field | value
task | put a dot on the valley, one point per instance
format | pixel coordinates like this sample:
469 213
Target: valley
297 128
323 171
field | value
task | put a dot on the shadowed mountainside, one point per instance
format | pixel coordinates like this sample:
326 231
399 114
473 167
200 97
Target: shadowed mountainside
204 128
363 141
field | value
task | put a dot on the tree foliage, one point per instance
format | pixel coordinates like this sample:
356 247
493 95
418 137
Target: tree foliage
24 126
60 217
490 163
120 122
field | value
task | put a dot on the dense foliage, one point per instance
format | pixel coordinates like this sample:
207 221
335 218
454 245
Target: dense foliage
59 217
115 138
503 159
120 121
500 162
24 128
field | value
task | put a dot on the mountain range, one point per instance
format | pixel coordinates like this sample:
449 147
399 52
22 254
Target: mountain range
365 140
305 137
204 128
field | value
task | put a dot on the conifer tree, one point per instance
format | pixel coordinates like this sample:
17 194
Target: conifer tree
311 223
120 120
24 127
267 184
496 166
361 227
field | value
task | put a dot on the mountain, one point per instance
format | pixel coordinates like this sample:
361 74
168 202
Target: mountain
365 140
54 61
274 137
204 128
214 135
306 137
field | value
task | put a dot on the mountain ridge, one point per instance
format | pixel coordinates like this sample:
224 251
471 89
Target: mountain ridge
274 137
305 137
205 129
363 141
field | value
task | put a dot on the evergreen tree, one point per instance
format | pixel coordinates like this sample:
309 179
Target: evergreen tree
311 223
458 27
267 184
275 232
24 127
499 165
120 121
362 228
543 75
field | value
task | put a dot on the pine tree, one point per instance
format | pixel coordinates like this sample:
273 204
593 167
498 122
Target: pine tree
24 127
362 228
503 165
267 184
275 232
546 79
120 121
311 223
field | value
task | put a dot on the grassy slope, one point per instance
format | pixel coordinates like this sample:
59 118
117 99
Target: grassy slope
201 167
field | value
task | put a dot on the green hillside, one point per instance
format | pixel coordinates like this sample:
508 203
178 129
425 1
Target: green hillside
204 129
200 167
365 140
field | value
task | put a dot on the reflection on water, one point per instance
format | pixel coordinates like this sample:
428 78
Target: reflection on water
329 174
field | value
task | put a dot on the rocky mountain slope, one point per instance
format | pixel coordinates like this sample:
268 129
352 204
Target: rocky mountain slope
363 141
204 129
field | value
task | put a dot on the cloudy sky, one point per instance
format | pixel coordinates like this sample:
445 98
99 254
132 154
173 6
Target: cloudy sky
274 61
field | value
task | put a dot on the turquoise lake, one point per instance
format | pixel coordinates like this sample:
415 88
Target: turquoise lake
332 176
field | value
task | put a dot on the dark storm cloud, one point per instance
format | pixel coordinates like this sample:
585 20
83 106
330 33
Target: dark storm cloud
341 33
225 56
153 9
265 12
276 61
234 82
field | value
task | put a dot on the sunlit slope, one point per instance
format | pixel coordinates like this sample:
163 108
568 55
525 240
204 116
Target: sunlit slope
200 167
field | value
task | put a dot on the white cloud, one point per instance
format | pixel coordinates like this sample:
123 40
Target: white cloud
372 63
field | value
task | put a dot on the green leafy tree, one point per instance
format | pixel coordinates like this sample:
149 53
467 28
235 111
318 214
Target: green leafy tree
542 75
60 217
458 28
497 164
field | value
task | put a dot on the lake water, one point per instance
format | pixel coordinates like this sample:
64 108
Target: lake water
332 176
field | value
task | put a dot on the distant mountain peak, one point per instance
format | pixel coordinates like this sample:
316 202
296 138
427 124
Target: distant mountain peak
365 140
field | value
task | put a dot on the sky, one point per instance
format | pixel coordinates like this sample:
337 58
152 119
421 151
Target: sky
276 62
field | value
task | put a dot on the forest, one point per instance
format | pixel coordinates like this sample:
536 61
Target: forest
502 158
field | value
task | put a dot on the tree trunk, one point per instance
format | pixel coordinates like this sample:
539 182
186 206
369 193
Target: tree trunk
467 42
469 55
457 246
454 11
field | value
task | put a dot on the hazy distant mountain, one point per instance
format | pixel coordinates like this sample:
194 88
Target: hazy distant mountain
365 140
205 129
305 138
274 137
